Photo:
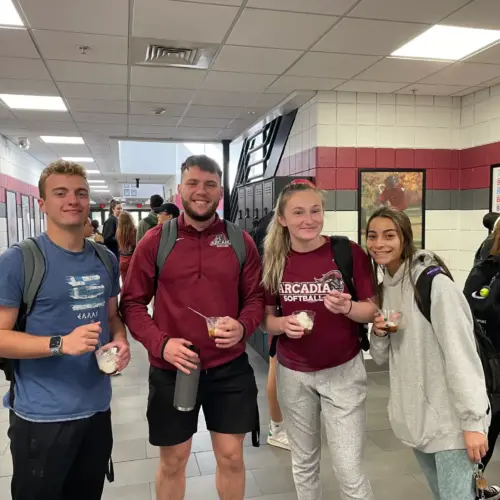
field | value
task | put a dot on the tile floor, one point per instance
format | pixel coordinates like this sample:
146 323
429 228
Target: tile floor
391 467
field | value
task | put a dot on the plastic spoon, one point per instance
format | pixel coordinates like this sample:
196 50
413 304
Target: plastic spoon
198 313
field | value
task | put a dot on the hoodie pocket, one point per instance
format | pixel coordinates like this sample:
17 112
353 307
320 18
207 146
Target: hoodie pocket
412 418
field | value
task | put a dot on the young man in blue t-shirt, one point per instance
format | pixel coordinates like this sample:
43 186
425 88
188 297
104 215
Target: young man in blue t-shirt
60 421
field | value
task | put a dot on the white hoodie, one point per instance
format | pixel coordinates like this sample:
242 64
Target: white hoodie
437 387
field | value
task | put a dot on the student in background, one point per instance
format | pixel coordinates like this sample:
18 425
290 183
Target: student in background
97 234
438 402
126 236
490 222
151 220
166 212
110 227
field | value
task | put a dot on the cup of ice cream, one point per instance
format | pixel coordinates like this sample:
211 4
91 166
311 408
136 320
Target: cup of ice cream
212 325
306 320
393 320
107 360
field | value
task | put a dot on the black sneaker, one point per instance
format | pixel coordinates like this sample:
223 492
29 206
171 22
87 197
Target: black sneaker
492 493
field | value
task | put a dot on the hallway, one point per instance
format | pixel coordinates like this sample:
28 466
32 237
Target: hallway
391 467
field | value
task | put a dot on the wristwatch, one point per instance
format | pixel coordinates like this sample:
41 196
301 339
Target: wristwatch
55 345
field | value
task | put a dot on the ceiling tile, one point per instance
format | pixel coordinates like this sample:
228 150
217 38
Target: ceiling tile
490 56
235 3
363 36
70 149
268 100
55 116
24 69
205 122
288 84
226 134
162 121
92 16
148 129
282 30
49 126
255 60
176 78
106 128
214 98
65 71
483 14
214 112
241 82
99 118
467 91
144 108
400 70
96 106
378 87
64 46
319 64
423 11
182 21
196 133
466 74
27 87
330 7
17 43
93 91
5 113
423 89
165 96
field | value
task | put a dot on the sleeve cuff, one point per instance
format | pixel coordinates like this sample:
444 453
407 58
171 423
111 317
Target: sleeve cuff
163 344
475 425
244 336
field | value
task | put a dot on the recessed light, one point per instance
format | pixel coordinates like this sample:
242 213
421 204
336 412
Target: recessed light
78 159
447 43
56 139
96 181
100 190
34 102
92 171
9 15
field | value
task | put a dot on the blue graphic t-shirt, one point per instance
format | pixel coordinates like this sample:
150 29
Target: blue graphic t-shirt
74 292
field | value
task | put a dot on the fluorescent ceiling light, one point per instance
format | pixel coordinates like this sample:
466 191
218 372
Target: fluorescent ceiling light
76 159
100 190
92 171
96 181
34 102
55 139
447 43
9 15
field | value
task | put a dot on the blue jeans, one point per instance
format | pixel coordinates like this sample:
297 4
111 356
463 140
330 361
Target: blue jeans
449 474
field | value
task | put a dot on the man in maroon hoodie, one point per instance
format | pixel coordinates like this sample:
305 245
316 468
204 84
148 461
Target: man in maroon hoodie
202 272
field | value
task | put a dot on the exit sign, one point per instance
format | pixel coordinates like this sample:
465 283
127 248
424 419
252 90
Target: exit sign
139 205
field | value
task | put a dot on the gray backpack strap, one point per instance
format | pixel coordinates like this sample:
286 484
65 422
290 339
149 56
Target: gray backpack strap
105 258
167 242
235 235
34 270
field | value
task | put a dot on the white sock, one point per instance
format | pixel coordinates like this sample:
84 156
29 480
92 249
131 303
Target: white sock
276 426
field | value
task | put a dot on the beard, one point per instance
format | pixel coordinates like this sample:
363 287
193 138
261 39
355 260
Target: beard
209 213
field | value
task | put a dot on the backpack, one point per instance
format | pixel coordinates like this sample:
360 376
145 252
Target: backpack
169 237
490 359
150 222
342 256
260 231
34 272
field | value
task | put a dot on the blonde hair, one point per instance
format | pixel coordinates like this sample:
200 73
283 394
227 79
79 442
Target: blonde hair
61 167
277 244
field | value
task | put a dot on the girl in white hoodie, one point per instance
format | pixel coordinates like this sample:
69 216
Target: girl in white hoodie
438 402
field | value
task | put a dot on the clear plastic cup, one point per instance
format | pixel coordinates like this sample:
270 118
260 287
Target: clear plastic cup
212 325
107 360
306 320
393 318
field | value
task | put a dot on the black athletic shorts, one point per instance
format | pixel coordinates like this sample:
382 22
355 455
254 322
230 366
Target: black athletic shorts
60 460
227 394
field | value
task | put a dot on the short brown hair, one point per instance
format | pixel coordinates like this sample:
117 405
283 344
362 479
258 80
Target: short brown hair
60 167
204 163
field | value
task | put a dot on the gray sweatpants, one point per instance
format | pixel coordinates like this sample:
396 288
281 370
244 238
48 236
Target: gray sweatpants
339 393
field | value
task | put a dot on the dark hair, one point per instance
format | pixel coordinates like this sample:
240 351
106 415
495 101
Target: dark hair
408 249
204 163
95 226
156 201
489 220
112 206
170 209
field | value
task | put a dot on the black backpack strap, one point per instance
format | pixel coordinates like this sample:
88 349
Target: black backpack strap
342 255
103 255
424 288
274 341
235 235
167 242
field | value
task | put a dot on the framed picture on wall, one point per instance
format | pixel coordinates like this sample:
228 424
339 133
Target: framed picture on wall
36 209
495 188
25 207
399 189
12 233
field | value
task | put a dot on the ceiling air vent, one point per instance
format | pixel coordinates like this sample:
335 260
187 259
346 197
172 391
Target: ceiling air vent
171 55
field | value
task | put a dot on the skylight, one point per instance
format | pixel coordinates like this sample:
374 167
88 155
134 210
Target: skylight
447 43
33 102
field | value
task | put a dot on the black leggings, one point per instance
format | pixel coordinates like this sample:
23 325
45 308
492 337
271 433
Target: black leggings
492 438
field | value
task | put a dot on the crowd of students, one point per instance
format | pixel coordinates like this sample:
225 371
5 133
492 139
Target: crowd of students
61 438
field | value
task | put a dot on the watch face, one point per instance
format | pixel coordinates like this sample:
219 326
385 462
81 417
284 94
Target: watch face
55 342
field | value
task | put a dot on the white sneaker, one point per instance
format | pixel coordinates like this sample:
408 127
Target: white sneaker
278 438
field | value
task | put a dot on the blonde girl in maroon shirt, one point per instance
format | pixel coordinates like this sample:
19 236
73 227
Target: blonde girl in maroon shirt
322 372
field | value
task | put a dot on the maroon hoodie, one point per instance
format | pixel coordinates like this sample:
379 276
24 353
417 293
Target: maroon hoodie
201 272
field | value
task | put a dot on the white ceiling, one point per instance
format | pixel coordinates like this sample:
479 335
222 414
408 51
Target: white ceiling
266 50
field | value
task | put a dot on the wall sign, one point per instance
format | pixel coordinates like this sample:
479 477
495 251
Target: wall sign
495 188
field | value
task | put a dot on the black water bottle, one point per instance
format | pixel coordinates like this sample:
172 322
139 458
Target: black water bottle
186 386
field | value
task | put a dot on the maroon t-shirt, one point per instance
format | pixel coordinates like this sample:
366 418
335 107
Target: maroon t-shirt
307 278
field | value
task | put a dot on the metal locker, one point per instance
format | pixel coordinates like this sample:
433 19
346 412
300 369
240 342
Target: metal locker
248 215
258 201
240 219
268 197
